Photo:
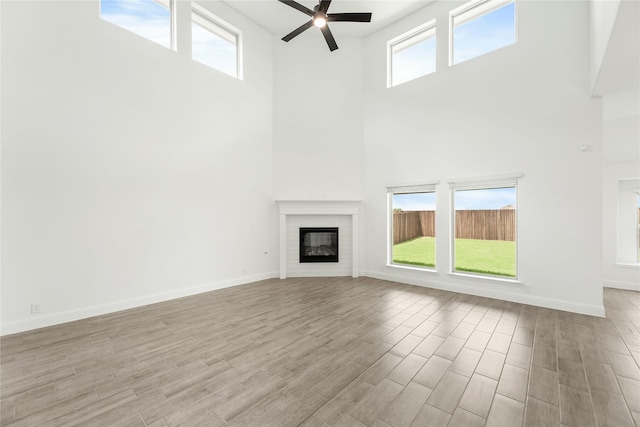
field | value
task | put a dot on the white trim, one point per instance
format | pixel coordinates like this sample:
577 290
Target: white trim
629 265
475 9
521 298
492 181
320 207
423 187
489 277
618 284
414 268
97 310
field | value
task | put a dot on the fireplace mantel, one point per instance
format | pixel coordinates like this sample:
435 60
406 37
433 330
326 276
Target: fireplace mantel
320 208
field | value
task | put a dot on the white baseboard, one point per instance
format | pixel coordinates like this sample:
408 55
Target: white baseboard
97 310
522 298
617 284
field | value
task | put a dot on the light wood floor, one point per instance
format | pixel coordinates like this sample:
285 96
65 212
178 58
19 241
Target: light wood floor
338 352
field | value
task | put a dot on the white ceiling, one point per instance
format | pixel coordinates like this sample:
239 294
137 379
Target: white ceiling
280 19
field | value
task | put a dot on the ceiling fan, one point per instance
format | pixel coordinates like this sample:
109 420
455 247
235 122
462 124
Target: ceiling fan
320 18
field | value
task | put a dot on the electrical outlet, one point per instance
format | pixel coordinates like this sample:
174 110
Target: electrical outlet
36 308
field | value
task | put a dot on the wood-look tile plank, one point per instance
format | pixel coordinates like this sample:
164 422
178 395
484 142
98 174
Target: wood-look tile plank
448 392
611 409
478 396
428 346
342 402
499 342
406 345
491 364
478 340
430 416
505 412
624 366
407 369
631 392
465 362
407 405
544 385
545 357
432 371
540 413
379 370
575 407
462 418
513 382
375 402
450 347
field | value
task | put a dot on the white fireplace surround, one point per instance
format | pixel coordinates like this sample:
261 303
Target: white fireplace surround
315 213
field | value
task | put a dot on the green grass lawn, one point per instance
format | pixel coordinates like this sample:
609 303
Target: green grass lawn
478 256
420 251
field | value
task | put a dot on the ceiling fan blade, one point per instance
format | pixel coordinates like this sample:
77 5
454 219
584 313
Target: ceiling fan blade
297 6
298 30
349 17
331 42
324 5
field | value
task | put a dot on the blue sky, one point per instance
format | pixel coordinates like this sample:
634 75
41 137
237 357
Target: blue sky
414 61
212 50
495 198
485 34
146 18
152 20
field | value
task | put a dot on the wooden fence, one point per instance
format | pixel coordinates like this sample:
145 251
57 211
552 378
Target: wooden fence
411 224
495 224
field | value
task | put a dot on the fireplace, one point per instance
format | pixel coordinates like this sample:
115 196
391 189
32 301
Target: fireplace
318 244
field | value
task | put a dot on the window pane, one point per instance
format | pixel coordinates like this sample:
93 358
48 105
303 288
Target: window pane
147 18
213 50
413 61
485 231
483 34
414 229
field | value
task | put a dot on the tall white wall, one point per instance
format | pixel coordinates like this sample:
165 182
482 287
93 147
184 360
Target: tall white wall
621 140
318 122
130 173
524 109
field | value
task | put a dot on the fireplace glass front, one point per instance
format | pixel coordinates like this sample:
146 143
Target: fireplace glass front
319 244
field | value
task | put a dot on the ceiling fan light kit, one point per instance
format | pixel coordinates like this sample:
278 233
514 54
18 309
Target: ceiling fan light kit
320 18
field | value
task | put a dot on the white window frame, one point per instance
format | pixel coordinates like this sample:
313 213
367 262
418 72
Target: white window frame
481 183
426 187
472 10
406 40
171 5
627 227
222 29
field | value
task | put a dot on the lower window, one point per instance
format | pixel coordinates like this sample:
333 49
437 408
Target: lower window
484 235
412 225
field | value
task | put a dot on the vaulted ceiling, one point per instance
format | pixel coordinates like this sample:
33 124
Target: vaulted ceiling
280 19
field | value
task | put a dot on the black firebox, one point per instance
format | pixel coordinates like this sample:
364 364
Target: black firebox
319 244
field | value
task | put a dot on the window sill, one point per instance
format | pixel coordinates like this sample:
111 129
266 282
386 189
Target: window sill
486 277
630 265
412 268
